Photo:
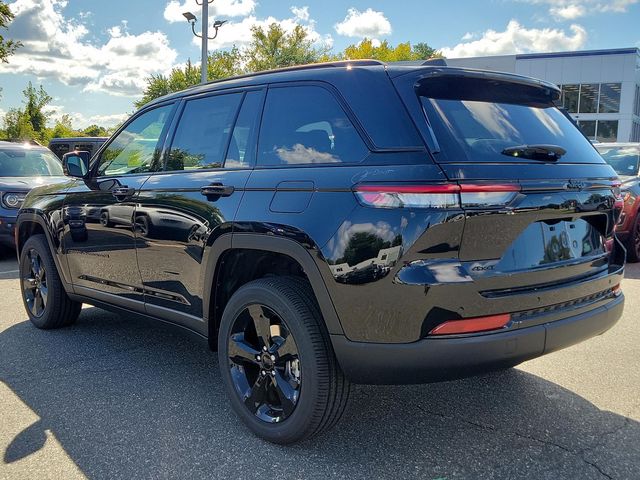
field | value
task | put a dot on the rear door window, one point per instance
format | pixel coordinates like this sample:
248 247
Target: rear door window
202 136
307 125
482 121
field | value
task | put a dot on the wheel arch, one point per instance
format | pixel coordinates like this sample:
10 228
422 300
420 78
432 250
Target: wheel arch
31 223
287 250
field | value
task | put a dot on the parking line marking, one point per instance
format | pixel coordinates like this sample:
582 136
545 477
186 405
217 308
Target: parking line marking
10 271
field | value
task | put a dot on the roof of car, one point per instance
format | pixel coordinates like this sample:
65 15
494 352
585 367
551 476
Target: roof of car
78 139
26 145
319 71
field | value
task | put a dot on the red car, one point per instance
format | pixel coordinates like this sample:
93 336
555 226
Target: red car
625 160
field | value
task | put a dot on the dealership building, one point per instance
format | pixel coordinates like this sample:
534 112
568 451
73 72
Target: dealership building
600 88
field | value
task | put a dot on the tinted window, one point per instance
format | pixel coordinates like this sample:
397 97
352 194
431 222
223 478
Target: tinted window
610 97
570 96
607 131
242 145
589 98
588 127
135 149
624 160
306 124
25 162
473 128
203 133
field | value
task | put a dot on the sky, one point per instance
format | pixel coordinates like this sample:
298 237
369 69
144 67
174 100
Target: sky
92 56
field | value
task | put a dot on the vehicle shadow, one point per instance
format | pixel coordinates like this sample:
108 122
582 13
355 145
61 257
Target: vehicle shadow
131 398
632 271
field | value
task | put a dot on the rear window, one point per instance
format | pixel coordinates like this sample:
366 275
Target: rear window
306 125
480 120
625 160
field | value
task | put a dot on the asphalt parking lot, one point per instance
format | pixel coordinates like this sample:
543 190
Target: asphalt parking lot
115 397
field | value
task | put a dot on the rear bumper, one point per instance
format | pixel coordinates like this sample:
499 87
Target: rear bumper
437 359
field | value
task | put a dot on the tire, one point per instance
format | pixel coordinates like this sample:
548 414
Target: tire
104 220
54 309
318 392
633 243
144 225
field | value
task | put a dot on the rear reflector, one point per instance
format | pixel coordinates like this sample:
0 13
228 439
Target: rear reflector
436 195
472 325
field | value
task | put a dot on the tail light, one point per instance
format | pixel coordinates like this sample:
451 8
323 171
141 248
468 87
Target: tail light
445 195
472 325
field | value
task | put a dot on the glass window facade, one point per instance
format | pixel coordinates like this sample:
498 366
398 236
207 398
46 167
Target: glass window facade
571 97
600 130
589 98
592 98
607 131
609 98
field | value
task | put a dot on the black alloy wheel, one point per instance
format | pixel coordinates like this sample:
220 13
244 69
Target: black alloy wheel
45 299
277 362
264 363
36 292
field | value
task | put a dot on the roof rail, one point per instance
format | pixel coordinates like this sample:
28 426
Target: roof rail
308 66
435 62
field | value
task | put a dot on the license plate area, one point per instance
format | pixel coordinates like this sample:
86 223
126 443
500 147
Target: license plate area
569 240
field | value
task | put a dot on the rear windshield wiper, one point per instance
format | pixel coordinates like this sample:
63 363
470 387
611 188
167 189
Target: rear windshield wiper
545 153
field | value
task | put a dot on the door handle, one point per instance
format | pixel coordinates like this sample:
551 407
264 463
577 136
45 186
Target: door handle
217 190
122 193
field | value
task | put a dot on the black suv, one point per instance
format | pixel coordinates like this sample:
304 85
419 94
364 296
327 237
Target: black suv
338 223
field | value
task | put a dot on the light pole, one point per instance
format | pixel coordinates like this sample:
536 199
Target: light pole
204 35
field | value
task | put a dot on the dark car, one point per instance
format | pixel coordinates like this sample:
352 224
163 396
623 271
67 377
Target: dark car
22 167
354 222
625 160
60 146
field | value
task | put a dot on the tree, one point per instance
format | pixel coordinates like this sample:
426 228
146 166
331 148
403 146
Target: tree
36 100
220 65
95 131
388 53
63 128
275 48
7 47
17 126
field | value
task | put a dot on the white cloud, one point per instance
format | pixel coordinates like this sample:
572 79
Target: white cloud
568 12
81 121
223 8
301 13
519 39
55 47
572 9
370 24
239 32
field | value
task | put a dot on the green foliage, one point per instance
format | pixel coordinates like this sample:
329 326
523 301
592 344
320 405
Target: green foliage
275 48
30 122
95 131
62 128
269 48
7 47
35 102
17 126
387 53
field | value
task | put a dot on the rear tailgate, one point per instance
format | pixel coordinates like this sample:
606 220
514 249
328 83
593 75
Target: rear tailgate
547 246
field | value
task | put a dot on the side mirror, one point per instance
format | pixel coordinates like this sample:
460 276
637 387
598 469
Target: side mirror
75 164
